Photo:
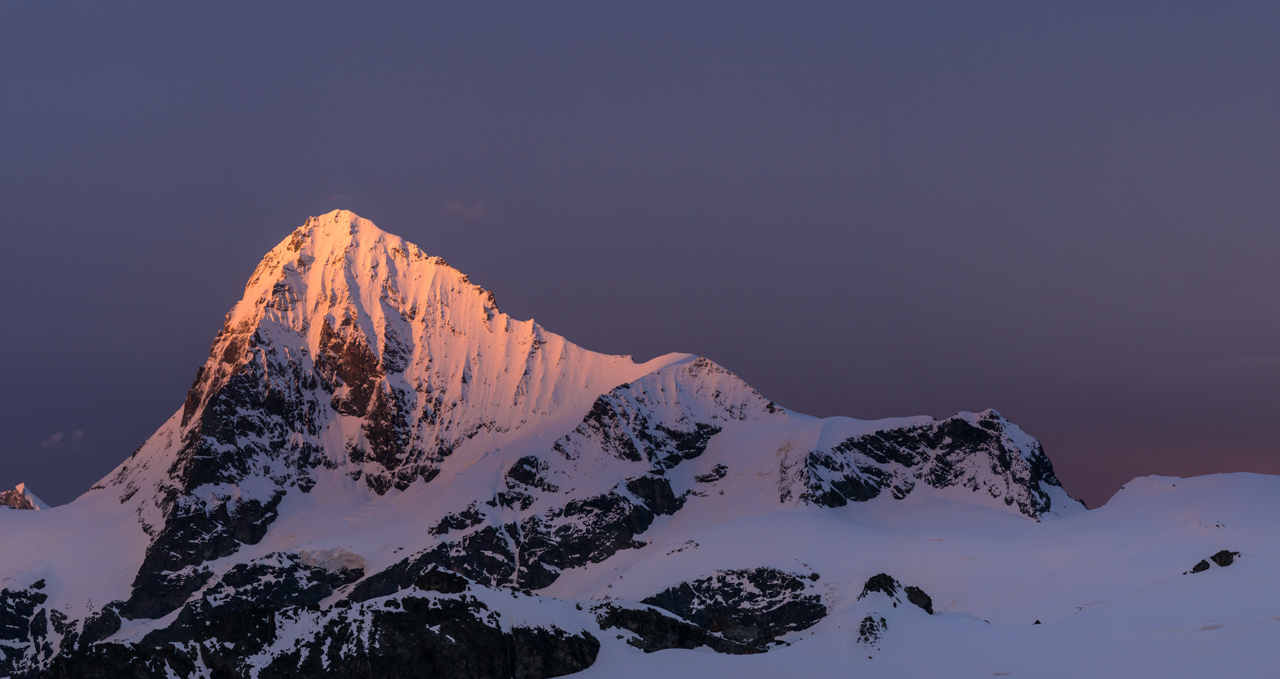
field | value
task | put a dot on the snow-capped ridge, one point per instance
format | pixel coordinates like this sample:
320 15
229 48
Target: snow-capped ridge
396 357
21 497
855 460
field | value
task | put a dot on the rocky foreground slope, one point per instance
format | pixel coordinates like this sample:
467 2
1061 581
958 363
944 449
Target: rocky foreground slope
377 473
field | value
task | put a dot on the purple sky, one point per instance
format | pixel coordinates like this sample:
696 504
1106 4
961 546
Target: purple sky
1069 214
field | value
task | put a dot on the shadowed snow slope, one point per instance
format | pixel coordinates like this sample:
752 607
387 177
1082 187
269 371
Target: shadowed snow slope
378 473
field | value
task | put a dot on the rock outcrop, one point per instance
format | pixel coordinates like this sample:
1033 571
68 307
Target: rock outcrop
749 606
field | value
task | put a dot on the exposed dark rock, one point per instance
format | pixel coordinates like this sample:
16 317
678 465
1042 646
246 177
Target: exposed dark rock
529 471
157 594
616 425
101 625
169 575
512 500
880 583
483 555
717 472
386 429
750 606
583 531
463 520
656 493
440 638
657 632
345 358
244 600
436 580
23 629
541 652
443 638
871 631
398 576
942 454
118 661
885 584
1224 558
917 596
251 409
592 530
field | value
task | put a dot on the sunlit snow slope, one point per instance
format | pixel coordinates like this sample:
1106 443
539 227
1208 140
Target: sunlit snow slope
378 473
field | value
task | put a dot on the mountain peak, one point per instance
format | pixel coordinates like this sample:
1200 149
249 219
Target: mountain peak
355 363
342 264
340 227
21 498
341 231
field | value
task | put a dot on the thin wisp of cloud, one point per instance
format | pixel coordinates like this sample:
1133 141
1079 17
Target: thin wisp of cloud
458 209
56 438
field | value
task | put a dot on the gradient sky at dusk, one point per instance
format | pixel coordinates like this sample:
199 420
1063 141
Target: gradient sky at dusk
1070 214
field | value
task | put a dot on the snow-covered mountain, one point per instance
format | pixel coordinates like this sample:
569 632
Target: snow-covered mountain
378 473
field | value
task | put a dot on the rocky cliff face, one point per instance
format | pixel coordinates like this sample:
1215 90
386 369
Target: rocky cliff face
357 370
983 453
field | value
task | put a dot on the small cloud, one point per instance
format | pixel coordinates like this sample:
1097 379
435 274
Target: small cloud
55 439
456 209
338 198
